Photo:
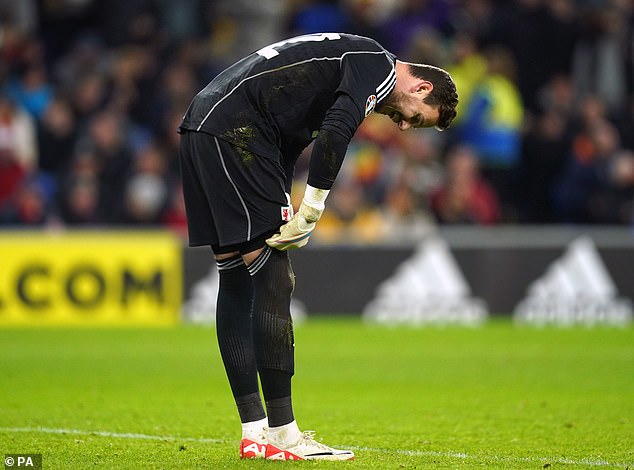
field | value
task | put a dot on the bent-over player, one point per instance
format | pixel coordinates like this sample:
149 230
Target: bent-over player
241 137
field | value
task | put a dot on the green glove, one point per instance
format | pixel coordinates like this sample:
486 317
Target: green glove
296 232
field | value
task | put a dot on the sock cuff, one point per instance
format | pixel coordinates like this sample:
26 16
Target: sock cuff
250 408
260 261
229 263
279 402
247 399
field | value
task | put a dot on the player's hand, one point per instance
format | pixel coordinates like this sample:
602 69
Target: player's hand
296 232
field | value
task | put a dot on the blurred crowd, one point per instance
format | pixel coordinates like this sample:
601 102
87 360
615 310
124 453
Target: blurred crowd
92 91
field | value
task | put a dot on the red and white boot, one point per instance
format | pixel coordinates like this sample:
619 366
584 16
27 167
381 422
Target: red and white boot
254 441
288 443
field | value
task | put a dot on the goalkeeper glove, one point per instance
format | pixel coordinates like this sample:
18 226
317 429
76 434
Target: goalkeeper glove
296 232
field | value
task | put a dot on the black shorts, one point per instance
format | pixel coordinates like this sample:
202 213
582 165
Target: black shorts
234 199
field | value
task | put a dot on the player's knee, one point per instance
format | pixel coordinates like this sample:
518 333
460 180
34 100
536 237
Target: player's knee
279 276
286 275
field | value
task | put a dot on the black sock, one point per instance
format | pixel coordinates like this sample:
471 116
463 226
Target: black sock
280 411
235 337
273 282
250 407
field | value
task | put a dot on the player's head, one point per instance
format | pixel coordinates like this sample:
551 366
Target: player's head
424 96
443 93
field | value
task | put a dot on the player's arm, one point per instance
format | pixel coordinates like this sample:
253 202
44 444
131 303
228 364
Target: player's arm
326 159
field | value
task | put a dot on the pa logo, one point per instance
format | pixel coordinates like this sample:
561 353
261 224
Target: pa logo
370 103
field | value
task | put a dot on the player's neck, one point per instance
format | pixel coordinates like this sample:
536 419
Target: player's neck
404 79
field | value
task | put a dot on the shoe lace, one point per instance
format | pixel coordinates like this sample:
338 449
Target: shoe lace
308 438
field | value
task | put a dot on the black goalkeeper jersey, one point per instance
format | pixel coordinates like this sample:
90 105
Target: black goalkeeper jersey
275 101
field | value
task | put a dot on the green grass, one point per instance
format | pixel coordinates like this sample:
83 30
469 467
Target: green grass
492 397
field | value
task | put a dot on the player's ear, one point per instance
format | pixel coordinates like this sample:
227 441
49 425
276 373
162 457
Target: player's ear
423 86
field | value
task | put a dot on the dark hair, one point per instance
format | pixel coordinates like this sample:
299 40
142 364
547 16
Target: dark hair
444 94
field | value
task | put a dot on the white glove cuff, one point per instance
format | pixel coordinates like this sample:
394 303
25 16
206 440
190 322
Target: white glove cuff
315 197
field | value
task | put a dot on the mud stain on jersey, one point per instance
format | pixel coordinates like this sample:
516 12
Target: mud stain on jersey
245 155
240 137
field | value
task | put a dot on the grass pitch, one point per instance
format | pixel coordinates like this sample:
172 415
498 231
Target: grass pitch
491 397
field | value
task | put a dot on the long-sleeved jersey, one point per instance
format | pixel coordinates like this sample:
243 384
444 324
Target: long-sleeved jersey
275 101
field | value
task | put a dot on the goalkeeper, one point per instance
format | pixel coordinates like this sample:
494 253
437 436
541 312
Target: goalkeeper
240 139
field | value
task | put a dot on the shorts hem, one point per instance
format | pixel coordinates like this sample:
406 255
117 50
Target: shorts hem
242 247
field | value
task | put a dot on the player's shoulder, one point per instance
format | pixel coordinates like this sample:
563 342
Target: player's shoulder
362 43
364 49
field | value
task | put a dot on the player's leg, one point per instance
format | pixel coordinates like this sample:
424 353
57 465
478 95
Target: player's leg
235 341
203 176
273 284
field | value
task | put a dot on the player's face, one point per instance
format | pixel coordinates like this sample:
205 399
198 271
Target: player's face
408 110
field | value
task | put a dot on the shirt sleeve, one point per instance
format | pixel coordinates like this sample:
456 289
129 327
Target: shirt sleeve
330 146
366 79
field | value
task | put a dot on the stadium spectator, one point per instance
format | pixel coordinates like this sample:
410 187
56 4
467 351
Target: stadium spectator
475 17
178 84
242 26
370 159
427 47
598 67
31 90
404 217
79 202
88 96
18 135
468 67
80 193
57 133
145 200
418 170
106 139
147 190
350 217
595 187
22 15
28 206
465 198
491 125
544 153
540 35
11 177
18 154
174 217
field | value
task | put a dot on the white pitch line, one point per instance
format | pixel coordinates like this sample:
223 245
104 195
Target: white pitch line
496 458
117 435
422 453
